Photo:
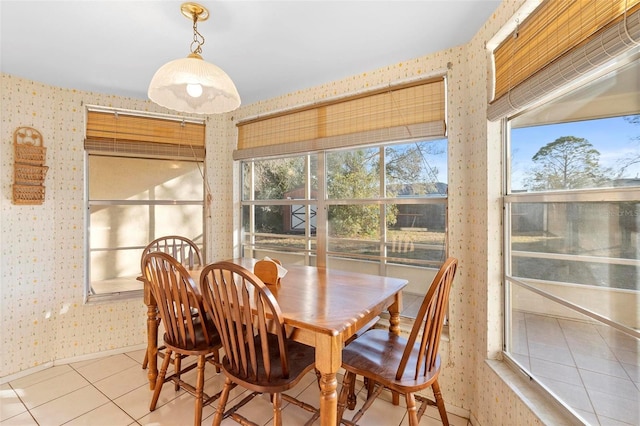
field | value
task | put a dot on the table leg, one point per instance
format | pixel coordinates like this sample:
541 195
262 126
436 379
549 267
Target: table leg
394 314
394 327
152 345
328 362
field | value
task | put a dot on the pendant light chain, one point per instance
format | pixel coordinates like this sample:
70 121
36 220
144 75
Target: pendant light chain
198 39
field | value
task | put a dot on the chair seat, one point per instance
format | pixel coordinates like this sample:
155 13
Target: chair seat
301 360
200 345
377 354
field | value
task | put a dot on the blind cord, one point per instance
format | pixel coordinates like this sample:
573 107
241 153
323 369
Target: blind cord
625 26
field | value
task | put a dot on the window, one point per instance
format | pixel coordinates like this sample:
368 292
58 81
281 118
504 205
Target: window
136 192
354 183
572 245
377 209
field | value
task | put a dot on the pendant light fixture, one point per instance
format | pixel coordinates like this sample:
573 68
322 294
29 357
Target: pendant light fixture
191 84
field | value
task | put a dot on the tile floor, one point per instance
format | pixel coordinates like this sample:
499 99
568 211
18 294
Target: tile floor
595 369
114 391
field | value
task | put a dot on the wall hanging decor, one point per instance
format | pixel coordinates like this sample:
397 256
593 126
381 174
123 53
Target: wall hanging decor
29 170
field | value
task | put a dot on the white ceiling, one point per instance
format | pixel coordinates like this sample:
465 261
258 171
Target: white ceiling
269 48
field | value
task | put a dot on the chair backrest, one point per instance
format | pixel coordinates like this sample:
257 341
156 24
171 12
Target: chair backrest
248 319
178 303
429 321
180 248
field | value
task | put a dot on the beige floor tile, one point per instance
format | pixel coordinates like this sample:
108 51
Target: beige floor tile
179 411
633 371
105 367
380 413
136 403
69 406
575 396
125 381
600 365
594 347
308 392
55 387
588 417
258 410
107 414
294 415
618 340
552 370
524 360
40 376
86 362
10 404
628 357
552 353
545 330
23 419
613 407
618 387
138 355
453 419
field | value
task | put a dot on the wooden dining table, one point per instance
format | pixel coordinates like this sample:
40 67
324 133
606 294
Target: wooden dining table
323 308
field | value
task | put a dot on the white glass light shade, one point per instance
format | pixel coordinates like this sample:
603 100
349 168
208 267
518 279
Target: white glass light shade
172 84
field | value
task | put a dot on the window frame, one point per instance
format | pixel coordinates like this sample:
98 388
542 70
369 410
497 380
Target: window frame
163 151
322 254
570 196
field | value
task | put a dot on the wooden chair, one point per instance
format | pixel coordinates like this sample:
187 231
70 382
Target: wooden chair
188 331
403 365
184 251
258 354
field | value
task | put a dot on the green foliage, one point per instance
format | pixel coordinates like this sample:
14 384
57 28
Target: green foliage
408 167
354 221
568 162
350 175
354 175
274 178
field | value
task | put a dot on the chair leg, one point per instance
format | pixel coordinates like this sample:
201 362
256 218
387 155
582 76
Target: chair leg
276 400
371 385
351 399
349 378
160 380
222 403
177 366
412 410
440 403
199 390
216 358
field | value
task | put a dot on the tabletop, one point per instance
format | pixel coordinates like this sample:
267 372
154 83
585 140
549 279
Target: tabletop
328 301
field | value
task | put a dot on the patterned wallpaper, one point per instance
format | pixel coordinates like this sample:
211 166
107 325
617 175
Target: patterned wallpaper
41 289
43 315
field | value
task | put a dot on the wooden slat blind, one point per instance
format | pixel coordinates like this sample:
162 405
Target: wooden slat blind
612 41
554 28
409 111
118 132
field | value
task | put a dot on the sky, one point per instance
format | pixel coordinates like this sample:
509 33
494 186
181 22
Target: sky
614 138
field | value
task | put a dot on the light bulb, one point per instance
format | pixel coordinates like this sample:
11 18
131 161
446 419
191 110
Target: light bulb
194 90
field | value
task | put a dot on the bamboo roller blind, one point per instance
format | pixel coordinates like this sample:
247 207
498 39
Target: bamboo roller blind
416 110
119 132
554 28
